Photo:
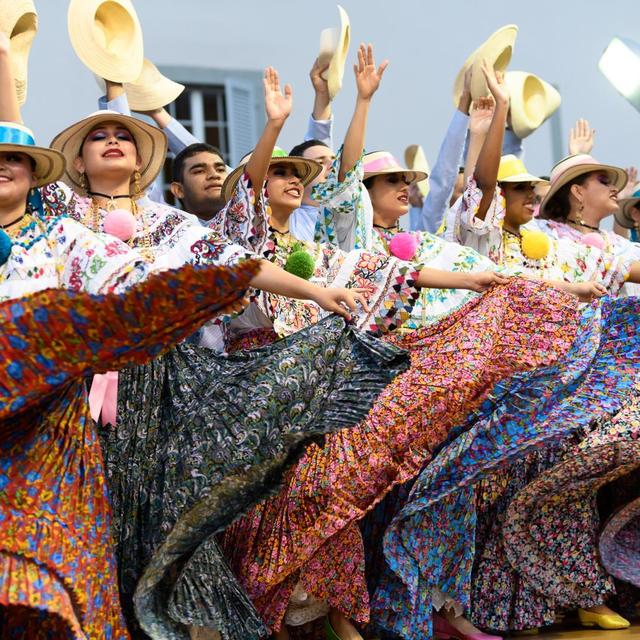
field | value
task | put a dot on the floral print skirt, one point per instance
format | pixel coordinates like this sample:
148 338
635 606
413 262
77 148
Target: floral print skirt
293 538
539 409
200 438
57 566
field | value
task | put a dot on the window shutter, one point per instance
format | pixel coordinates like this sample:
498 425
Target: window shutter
241 119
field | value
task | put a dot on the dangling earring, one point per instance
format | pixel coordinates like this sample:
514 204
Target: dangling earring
137 189
579 219
82 181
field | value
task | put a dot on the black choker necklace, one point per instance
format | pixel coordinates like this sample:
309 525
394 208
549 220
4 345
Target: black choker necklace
10 224
379 226
104 195
582 224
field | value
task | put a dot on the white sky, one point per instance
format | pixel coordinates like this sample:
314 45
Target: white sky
426 42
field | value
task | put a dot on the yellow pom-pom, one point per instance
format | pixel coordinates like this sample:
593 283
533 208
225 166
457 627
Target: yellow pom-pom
535 245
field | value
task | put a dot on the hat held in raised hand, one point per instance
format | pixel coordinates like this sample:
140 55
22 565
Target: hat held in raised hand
19 21
497 51
107 37
151 90
532 101
334 47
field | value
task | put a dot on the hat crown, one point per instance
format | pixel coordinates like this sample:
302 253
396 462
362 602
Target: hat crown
13 133
568 163
381 160
510 166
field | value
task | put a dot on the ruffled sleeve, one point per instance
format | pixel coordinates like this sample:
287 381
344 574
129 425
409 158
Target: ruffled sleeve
346 216
245 219
485 236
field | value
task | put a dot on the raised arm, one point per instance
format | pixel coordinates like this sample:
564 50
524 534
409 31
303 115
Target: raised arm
367 81
581 137
9 108
278 107
486 171
482 112
445 170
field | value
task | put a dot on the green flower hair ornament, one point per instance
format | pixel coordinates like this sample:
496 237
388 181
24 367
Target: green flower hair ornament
300 263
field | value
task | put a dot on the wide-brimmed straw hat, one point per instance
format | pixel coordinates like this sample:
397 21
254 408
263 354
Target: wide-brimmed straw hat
512 169
416 160
19 20
497 51
107 37
532 101
574 166
151 144
308 170
150 91
334 48
49 164
382 162
623 214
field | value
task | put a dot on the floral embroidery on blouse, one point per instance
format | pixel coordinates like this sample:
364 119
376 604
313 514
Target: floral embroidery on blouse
566 260
433 252
344 219
391 283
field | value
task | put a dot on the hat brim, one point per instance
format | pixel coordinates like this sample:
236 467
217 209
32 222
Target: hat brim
151 144
308 170
523 177
623 214
123 65
618 177
416 176
49 163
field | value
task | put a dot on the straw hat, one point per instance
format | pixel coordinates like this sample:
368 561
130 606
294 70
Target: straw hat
623 214
107 37
334 47
49 164
496 51
532 101
573 166
415 159
382 162
151 144
512 169
308 170
150 91
19 20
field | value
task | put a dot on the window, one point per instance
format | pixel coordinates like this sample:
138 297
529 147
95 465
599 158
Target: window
219 107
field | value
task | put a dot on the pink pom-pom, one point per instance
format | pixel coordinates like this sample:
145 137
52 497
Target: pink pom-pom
120 223
593 240
403 245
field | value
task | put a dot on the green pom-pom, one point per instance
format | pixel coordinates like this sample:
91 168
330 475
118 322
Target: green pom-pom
300 264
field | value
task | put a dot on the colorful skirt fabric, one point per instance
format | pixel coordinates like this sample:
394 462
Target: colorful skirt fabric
535 409
57 565
619 544
201 438
293 538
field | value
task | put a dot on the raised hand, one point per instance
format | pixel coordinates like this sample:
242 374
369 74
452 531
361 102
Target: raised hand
484 280
5 45
367 76
464 104
276 103
320 84
495 82
581 138
481 115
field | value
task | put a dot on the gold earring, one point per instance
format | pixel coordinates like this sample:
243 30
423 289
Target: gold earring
82 181
137 189
579 219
